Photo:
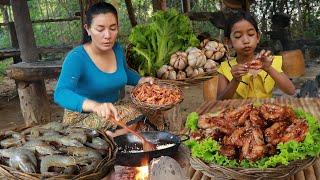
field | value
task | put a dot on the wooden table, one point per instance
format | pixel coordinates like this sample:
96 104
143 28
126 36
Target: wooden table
311 105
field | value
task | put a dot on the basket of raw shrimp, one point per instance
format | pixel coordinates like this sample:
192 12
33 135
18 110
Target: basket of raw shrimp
56 151
267 141
159 96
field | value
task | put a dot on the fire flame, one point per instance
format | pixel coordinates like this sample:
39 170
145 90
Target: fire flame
143 173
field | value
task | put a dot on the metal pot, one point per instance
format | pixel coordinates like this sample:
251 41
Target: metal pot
130 147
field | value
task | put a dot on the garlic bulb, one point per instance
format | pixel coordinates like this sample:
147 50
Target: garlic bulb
204 43
192 72
214 50
181 75
172 75
210 66
179 60
164 72
196 58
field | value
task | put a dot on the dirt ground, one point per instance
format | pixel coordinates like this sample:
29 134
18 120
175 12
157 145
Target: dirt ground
10 114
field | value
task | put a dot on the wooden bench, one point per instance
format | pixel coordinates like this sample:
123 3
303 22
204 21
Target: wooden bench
34 101
35 71
11 52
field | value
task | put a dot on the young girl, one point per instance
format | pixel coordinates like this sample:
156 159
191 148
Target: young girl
249 75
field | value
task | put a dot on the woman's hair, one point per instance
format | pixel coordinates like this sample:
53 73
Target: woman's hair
236 17
96 9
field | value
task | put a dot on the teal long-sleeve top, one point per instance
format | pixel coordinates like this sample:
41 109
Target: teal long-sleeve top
81 79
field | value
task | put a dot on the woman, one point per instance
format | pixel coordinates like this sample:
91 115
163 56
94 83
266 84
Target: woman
94 73
247 75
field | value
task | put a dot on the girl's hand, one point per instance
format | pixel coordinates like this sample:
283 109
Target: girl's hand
105 110
266 58
149 80
238 71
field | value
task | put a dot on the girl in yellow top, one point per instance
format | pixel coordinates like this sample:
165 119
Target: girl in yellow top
236 80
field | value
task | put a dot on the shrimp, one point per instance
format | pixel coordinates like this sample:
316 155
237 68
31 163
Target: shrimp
82 151
275 132
81 137
240 114
11 142
256 119
272 112
295 132
56 126
24 160
254 146
98 143
93 155
64 140
236 138
40 147
61 161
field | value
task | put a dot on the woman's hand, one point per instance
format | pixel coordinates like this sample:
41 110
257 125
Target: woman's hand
238 71
105 110
149 79
266 58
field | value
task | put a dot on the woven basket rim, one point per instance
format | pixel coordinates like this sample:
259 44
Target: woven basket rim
100 170
192 80
149 106
280 171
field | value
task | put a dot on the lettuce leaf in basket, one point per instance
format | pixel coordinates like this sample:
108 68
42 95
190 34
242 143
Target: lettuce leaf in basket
192 121
208 149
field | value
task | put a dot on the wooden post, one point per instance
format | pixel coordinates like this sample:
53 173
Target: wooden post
185 6
34 102
130 10
14 41
210 89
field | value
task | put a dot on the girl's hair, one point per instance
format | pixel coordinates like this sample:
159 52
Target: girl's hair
236 17
96 9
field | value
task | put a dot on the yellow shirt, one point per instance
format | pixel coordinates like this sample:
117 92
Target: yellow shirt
259 86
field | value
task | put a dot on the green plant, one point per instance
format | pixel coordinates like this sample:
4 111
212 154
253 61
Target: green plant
154 42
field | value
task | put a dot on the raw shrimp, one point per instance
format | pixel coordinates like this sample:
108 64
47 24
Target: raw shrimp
11 142
61 161
64 140
98 143
23 159
40 147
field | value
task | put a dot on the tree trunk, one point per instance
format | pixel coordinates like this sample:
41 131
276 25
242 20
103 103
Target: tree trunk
34 102
299 15
130 10
12 31
27 42
159 5
185 6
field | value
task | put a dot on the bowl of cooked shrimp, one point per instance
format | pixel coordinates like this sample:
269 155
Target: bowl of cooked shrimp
253 141
158 96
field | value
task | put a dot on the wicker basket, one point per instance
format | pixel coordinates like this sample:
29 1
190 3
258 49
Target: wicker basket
280 172
192 80
104 167
148 106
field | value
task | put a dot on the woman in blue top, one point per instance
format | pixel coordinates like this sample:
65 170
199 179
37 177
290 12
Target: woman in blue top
94 73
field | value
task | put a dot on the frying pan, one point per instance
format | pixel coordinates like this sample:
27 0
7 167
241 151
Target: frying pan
130 148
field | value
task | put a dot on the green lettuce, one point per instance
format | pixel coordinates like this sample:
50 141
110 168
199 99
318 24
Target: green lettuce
155 41
208 149
192 121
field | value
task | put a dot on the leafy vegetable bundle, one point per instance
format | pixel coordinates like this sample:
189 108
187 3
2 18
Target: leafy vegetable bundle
208 149
154 42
